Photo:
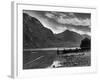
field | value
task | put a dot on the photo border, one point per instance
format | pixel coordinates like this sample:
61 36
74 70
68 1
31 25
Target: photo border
17 33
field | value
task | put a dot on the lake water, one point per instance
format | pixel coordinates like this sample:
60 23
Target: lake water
48 58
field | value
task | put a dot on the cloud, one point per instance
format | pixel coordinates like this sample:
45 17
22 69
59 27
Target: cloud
68 18
74 21
58 22
59 28
80 31
49 15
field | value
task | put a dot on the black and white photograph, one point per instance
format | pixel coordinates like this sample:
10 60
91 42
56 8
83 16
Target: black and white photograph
53 39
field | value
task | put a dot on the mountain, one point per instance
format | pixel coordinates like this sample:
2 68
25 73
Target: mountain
35 35
69 36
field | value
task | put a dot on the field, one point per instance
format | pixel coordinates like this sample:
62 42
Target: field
50 59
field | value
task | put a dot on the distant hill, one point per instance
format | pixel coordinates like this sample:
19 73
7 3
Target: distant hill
35 35
69 36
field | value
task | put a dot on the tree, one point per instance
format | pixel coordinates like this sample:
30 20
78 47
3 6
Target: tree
85 44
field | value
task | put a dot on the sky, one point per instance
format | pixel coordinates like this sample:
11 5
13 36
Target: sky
58 22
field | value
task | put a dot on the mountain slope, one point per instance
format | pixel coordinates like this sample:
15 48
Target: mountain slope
35 35
69 36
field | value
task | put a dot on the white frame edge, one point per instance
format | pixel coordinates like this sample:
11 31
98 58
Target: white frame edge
14 35
14 56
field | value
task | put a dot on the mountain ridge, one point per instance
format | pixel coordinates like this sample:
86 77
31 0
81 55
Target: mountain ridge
35 35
